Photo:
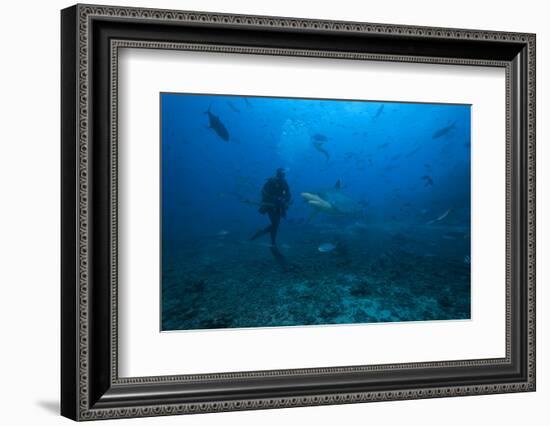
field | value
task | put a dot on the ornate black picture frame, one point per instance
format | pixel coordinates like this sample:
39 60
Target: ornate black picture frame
91 387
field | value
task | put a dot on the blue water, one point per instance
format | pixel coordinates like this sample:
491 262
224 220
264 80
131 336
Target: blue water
394 246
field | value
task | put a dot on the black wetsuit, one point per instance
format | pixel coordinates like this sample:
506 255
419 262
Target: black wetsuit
275 200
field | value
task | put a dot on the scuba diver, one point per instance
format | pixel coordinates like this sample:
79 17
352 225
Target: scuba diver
275 202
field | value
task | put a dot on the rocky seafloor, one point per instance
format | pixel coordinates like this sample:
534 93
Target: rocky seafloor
371 276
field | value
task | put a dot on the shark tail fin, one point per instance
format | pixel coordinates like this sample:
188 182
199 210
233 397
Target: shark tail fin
338 184
208 110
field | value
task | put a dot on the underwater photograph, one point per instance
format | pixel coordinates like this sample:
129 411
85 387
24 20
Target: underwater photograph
281 212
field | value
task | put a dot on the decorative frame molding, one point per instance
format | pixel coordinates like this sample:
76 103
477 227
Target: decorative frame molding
87 397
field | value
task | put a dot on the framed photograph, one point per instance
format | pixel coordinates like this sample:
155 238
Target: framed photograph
263 212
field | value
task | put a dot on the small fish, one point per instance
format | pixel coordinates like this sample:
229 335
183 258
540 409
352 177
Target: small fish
223 233
217 126
384 145
443 131
379 111
467 259
440 218
232 106
444 215
326 247
428 181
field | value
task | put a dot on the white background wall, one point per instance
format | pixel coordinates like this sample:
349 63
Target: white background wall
29 213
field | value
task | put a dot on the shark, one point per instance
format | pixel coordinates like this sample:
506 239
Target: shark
332 202
217 126
443 131
440 217
318 140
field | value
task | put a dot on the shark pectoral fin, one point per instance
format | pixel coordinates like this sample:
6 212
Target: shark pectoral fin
312 215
